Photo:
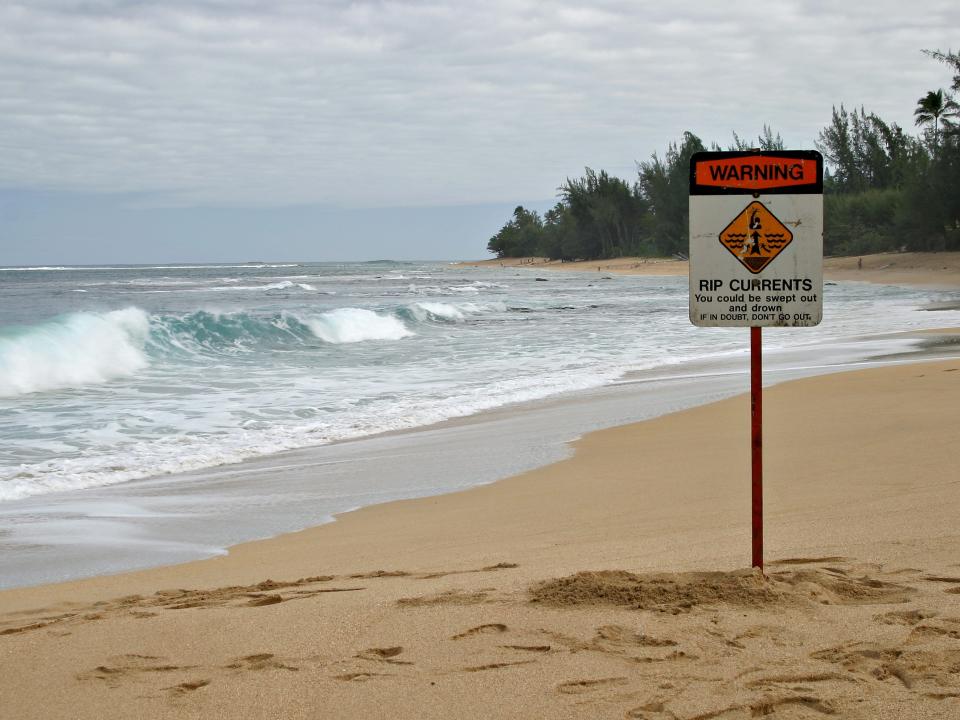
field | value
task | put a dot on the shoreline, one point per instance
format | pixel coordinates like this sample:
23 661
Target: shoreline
899 362
467 560
133 519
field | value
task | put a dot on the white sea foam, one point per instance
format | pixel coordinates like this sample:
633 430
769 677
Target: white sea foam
423 310
43 267
452 312
350 325
148 282
73 350
186 452
471 288
282 285
287 284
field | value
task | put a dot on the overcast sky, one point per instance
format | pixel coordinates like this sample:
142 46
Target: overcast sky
211 130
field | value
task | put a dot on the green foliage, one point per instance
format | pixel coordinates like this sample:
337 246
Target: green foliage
666 186
519 237
937 112
860 223
952 60
766 141
884 190
607 215
930 213
865 152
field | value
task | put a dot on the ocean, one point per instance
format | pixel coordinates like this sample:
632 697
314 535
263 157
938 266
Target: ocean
113 377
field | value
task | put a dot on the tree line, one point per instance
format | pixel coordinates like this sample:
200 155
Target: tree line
884 189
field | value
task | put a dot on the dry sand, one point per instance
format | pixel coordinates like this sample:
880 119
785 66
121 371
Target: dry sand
925 269
610 585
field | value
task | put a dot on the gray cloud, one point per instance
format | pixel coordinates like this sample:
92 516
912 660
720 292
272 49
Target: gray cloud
426 103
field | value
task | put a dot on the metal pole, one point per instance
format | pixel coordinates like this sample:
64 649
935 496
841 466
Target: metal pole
756 445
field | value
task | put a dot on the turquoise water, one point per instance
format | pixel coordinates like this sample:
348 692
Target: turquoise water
110 374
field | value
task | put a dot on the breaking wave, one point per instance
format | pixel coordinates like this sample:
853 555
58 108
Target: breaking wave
448 312
207 333
90 348
350 325
73 350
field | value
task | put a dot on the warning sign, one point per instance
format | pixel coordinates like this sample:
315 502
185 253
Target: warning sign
756 238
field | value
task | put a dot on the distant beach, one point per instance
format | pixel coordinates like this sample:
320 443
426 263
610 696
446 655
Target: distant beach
920 269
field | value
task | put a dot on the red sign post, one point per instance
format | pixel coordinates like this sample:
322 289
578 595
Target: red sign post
756 445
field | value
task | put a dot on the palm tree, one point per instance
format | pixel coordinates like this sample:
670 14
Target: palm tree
934 108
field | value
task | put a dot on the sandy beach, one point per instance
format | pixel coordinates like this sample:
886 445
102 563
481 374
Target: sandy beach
613 584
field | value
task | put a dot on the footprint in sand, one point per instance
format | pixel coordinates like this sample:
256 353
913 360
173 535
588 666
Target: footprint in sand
488 568
386 655
497 666
577 687
903 617
449 597
261 600
619 635
776 635
923 633
500 566
260 661
26 628
42 622
622 642
380 574
647 711
768 707
481 629
868 659
360 676
119 668
759 708
189 686
771 681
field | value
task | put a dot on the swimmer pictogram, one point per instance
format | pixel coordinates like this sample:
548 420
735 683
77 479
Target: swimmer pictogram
755 237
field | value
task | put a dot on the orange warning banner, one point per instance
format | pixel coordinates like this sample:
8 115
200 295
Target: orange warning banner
755 172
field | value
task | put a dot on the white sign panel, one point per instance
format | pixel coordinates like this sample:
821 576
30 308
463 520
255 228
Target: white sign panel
756 239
